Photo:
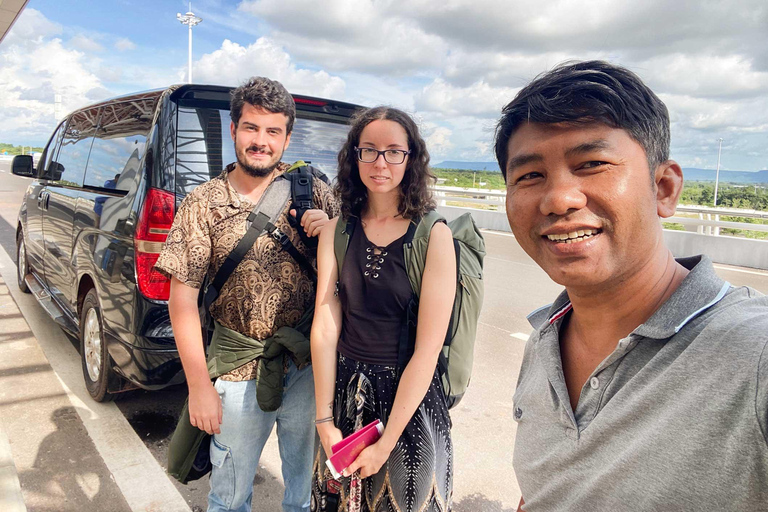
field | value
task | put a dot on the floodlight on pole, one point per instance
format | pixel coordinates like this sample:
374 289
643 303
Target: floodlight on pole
190 20
717 173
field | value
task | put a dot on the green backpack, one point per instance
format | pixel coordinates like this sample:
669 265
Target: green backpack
455 360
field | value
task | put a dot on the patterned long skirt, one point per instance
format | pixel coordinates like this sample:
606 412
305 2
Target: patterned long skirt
418 476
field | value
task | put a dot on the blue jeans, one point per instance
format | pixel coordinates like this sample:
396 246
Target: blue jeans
245 428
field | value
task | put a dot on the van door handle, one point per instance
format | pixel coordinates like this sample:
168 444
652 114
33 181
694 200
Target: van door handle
42 199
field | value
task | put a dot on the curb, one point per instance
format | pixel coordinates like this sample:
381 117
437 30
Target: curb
11 499
140 479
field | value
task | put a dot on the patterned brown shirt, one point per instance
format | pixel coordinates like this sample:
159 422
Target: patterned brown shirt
269 289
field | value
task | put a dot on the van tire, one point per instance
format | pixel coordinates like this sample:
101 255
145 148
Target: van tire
96 363
22 263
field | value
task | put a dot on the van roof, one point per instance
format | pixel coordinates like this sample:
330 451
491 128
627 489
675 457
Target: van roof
219 93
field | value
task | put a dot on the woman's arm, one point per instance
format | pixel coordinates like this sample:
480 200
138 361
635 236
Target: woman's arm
438 288
326 329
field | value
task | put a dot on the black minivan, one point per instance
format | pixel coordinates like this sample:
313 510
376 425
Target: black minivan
104 194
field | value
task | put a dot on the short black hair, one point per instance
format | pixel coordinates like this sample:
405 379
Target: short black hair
585 93
265 93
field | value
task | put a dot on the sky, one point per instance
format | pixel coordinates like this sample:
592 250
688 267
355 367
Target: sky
453 64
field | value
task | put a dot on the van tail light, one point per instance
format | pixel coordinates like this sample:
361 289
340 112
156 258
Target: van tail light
155 222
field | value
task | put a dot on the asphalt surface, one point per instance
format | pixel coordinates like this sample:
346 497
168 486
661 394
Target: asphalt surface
483 432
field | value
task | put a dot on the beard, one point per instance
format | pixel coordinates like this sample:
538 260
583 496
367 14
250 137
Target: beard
253 170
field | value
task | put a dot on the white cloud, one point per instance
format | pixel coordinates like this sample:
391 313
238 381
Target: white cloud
34 69
438 139
31 27
478 100
709 76
232 64
84 43
124 44
360 35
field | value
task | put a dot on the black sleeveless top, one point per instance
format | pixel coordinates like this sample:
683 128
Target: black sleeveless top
374 291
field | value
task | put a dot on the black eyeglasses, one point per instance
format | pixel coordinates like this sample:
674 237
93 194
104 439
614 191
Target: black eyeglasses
391 156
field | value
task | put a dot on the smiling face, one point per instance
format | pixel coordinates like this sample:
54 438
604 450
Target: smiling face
260 139
582 202
381 177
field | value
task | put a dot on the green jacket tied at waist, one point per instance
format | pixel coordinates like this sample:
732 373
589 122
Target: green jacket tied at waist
229 350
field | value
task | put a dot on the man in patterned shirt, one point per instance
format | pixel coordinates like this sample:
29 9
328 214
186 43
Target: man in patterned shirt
268 291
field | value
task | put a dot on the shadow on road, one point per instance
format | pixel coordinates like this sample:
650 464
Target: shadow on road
56 483
8 237
479 503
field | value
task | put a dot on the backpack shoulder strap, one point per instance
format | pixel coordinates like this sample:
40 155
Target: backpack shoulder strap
341 238
265 213
426 223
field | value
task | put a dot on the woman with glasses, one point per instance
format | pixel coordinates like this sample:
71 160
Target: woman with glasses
360 321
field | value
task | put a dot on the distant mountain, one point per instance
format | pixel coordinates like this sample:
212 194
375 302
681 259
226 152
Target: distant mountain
469 166
693 174
690 173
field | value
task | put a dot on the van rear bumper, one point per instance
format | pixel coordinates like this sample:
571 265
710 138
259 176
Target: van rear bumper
146 367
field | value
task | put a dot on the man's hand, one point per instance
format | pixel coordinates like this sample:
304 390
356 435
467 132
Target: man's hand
369 461
312 221
329 436
205 408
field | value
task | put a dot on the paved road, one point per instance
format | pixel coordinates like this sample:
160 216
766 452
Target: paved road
483 432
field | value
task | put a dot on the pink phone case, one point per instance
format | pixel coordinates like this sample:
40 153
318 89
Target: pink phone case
350 438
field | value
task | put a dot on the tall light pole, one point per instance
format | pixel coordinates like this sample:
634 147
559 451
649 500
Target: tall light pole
717 173
190 20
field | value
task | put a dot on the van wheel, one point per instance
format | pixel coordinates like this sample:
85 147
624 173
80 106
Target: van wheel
97 369
22 264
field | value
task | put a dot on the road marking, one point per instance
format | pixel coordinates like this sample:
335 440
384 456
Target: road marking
520 336
743 271
141 479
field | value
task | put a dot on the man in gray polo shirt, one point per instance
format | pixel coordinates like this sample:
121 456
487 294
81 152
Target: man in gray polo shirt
645 385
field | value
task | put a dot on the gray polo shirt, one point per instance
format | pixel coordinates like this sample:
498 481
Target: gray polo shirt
675 419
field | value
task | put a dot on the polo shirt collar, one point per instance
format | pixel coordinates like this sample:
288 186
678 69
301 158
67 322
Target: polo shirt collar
700 290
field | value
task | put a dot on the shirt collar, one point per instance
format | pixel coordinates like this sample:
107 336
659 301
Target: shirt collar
700 290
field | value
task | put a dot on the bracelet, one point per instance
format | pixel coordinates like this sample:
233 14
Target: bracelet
324 420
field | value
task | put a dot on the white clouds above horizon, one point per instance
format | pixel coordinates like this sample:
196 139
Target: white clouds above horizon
232 64
452 63
124 44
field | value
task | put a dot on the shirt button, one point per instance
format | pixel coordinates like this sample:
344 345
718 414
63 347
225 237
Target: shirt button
594 383
518 413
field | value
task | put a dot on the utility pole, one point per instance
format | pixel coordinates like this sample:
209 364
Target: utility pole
190 20
717 173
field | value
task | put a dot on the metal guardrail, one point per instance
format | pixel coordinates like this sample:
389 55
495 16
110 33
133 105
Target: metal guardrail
707 220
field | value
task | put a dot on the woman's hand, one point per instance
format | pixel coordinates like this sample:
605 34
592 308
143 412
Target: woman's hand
329 436
370 460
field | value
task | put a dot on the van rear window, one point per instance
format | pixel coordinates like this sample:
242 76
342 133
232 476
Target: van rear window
204 145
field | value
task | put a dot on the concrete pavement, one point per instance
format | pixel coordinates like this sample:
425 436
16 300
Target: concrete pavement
64 452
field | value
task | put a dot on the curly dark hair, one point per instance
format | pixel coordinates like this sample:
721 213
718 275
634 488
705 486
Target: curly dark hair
265 93
415 196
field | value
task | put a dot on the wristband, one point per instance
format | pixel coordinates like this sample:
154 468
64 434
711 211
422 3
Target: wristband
324 420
